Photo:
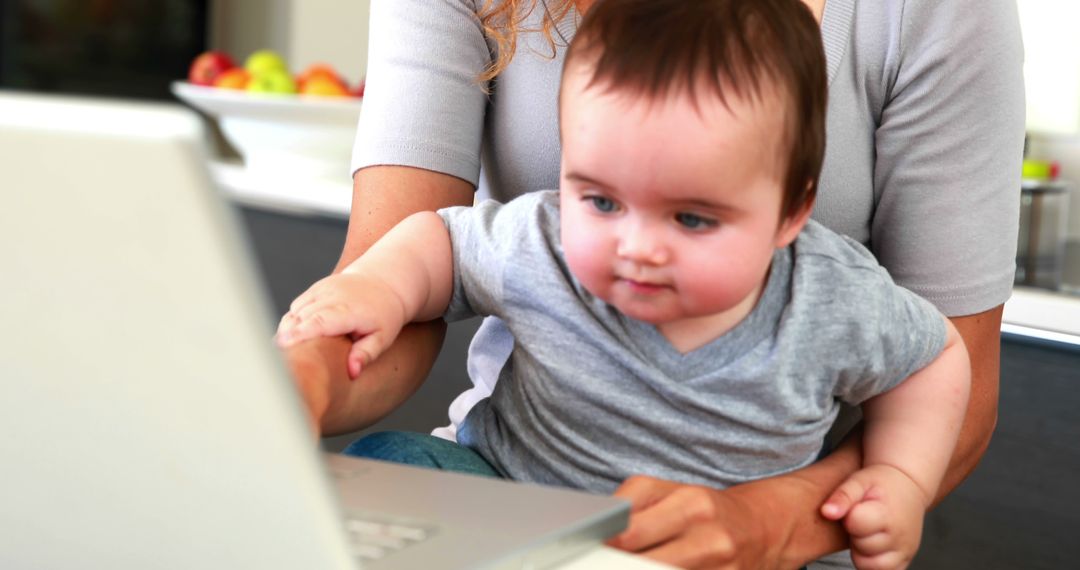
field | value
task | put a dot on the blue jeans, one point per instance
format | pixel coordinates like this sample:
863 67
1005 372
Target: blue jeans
421 450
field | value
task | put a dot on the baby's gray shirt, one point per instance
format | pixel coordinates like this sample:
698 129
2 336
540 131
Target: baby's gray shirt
590 396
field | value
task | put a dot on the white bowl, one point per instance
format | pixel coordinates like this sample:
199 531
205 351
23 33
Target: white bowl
294 136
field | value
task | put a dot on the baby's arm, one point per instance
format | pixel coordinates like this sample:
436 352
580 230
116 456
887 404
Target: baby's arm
406 276
910 434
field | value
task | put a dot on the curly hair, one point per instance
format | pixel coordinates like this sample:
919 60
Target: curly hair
502 20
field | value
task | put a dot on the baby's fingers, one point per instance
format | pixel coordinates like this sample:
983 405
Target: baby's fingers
306 298
868 519
285 329
315 321
839 504
363 352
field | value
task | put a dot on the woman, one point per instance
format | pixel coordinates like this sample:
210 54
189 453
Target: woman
925 134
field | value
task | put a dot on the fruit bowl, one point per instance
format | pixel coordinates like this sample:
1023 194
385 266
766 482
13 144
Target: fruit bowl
281 135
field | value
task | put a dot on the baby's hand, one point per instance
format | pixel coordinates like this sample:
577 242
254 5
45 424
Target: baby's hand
883 511
350 304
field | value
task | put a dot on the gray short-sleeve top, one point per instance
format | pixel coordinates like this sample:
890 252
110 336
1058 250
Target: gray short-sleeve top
590 397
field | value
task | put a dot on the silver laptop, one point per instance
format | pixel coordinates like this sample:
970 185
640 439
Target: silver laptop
147 419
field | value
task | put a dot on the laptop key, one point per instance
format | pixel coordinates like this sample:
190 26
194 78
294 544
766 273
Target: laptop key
413 533
367 552
373 536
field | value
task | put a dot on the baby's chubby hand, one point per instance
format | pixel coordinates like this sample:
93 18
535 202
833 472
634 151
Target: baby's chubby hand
883 511
363 308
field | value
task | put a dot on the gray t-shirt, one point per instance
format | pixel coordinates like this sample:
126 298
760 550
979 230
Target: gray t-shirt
590 396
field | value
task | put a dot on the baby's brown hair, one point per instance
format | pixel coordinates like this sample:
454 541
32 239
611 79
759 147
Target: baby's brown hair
657 48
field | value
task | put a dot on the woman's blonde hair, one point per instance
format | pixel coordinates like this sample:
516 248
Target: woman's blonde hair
502 20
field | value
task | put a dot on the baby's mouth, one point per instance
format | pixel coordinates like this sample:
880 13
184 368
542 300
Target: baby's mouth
644 287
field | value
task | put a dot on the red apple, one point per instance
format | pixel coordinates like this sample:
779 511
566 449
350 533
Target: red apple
358 91
208 66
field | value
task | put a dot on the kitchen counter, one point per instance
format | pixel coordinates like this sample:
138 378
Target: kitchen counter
282 194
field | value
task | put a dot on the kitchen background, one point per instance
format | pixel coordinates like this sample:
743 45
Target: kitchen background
331 31
1052 78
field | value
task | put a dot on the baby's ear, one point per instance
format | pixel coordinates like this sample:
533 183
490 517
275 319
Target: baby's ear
791 225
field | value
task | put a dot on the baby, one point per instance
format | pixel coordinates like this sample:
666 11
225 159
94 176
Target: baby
675 311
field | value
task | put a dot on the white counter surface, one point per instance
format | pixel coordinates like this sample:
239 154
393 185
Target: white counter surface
297 195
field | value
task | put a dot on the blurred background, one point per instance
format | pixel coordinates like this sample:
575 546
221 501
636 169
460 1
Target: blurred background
133 48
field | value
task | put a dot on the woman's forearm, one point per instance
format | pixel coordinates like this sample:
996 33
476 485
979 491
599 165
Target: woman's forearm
788 506
982 337
385 195
340 405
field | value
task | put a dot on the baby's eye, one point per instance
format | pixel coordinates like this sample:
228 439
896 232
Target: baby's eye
601 203
694 221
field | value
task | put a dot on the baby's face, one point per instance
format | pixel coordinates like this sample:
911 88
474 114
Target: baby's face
670 212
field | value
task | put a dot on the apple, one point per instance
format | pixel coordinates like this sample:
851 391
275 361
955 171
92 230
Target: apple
264 60
324 87
208 66
358 91
235 78
271 81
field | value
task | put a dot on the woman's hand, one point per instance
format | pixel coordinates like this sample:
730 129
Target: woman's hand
765 524
310 365
691 526
338 404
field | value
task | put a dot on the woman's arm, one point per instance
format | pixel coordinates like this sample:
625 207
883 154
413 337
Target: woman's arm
382 197
765 524
982 337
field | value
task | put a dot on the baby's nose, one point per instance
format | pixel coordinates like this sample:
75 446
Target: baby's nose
642 244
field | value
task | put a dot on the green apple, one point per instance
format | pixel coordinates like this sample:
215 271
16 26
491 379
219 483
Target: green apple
264 60
272 81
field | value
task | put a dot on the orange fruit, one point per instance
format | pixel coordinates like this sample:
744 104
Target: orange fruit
318 70
324 87
235 78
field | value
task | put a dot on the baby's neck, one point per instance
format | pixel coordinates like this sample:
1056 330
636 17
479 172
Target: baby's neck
690 334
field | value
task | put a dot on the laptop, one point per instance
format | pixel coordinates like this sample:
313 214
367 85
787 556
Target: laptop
147 419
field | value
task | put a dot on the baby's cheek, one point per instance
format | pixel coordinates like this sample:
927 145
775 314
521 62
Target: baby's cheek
579 260
714 287
588 266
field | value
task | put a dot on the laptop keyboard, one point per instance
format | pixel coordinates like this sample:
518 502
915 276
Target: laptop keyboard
373 536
